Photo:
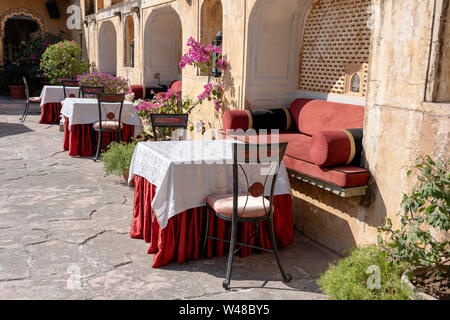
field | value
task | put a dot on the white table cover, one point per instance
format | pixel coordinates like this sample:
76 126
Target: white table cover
186 172
51 94
85 111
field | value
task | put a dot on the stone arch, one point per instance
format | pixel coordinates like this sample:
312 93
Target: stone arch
162 46
211 20
107 48
273 51
17 12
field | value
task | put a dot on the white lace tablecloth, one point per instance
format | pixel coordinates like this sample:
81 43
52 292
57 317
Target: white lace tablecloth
85 111
186 172
51 94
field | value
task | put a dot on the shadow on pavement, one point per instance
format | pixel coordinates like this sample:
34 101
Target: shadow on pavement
10 129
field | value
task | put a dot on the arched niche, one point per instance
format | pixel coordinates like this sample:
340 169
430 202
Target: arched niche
129 45
211 20
274 39
107 48
162 47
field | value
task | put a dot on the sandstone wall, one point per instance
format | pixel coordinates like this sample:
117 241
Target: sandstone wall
401 123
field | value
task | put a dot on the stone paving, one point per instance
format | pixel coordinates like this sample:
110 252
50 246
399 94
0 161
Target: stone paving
60 215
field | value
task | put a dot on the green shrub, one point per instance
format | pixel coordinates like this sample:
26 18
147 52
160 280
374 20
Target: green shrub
63 60
117 158
353 277
426 206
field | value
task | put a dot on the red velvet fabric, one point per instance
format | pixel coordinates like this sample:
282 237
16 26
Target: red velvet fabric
343 176
330 147
78 139
138 91
235 119
50 113
182 239
313 116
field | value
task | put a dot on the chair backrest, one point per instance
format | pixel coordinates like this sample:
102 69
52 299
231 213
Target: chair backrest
168 121
269 156
110 98
91 92
70 84
27 88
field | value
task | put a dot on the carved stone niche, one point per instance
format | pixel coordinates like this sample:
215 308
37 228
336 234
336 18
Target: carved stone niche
355 78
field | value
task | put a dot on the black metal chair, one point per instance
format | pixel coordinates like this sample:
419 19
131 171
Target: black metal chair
91 92
251 206
71 84
172 121
29 100
111 124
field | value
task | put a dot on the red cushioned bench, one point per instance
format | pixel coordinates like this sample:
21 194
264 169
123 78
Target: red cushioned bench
324 141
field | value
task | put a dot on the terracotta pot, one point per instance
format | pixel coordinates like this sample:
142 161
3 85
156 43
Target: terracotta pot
17 92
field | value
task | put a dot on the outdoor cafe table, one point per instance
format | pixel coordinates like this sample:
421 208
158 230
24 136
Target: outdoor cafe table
51 97
79 115
172 180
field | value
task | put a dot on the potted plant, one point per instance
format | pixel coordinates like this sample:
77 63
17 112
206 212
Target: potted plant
14 74
423 238
63 60
117 158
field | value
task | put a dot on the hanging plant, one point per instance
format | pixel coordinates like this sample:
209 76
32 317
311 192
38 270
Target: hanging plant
205 58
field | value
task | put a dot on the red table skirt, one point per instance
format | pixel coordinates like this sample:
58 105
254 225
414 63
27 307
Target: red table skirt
182 239
50 113
79 141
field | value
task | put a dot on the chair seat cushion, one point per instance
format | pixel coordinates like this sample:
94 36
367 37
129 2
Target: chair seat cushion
108 125
223 204
34 100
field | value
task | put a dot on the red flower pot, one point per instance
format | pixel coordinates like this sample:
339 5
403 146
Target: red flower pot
17 92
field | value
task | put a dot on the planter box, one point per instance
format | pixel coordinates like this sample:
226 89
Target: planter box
417 294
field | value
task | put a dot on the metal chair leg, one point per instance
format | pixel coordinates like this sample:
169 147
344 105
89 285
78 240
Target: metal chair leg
226 282
98 145
205 239
25 112
286 276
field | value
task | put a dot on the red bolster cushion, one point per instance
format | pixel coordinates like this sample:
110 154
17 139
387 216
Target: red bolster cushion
337 147
235 119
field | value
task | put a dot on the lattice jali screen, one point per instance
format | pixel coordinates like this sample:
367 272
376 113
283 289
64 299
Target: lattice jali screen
336 34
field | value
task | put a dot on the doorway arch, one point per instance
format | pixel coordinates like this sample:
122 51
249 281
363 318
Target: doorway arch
162 47
19 14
